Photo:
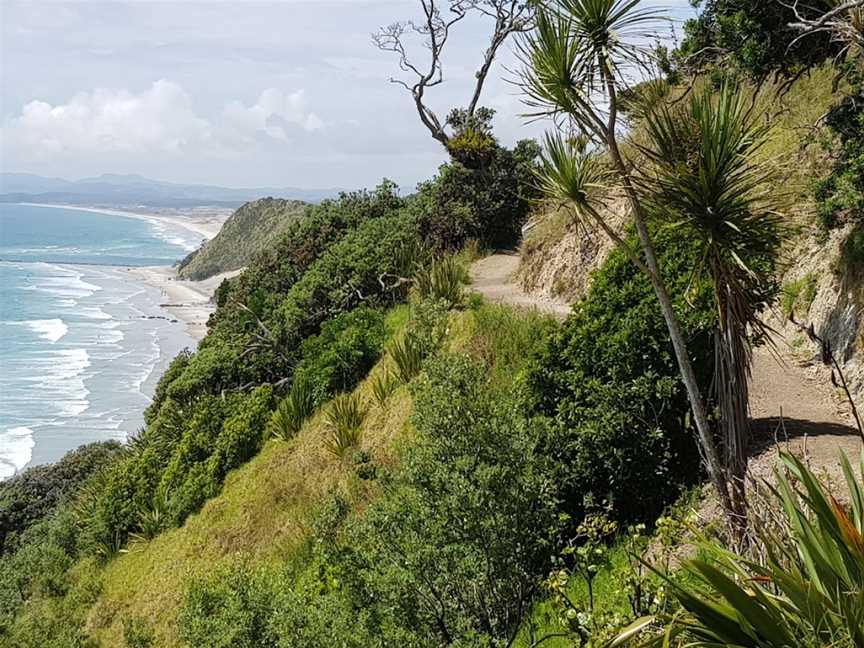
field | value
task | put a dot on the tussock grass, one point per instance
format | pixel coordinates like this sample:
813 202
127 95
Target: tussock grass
408 353
293 410
383 384
442 280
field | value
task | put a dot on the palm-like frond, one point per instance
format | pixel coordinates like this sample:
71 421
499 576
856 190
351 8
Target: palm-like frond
703 175
617 30
570 174
576 46
556 75
809 592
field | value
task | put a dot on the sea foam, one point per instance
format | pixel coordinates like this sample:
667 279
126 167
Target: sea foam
50 329
16 449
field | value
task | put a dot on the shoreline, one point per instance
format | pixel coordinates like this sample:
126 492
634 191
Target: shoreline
207 226
190 302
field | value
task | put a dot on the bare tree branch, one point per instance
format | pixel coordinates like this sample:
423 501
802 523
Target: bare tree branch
510 16
845 22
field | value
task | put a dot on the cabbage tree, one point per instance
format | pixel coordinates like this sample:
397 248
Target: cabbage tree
577 61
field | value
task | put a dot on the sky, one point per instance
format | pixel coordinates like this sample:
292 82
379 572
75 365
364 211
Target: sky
234 93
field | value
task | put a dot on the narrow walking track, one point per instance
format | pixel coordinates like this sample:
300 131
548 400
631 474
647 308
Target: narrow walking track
793 407
493 277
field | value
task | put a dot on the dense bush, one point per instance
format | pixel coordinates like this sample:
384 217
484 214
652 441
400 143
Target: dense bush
840 196
488 204
310 306
455 549
232 610
610 383
42 601
31 496
180 460
347 347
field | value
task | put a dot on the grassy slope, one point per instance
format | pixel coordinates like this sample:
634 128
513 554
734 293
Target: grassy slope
249 230
262 514
264 509
266 506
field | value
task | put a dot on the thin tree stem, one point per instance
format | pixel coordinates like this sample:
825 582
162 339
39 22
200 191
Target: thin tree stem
706 440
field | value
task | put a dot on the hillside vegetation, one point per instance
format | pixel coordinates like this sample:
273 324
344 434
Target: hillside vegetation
362 453
250 230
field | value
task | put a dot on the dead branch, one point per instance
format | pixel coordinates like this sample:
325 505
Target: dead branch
845 22
510 16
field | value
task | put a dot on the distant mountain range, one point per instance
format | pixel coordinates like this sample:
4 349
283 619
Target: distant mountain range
135 190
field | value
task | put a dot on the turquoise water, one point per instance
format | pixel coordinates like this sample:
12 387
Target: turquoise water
82 341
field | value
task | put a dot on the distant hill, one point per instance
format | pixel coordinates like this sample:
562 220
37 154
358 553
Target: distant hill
138 191
249 230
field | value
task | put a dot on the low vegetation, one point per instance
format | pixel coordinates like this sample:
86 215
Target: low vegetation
796 297
249 230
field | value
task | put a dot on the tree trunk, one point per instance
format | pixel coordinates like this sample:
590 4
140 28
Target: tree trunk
732 389
707 445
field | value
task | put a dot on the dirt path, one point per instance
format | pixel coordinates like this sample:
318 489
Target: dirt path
492 277
794 407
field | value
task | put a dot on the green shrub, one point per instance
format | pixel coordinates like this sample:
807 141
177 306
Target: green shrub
294 409
754 37
609 382
344 420
840 196
341 355
799 294
38 568
33 495
455 549
137 633
489 203
231 609
310 306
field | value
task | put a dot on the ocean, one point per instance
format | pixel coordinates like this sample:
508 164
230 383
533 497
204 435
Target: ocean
82 341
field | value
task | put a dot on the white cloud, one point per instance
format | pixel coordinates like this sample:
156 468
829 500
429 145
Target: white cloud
274 113
160 120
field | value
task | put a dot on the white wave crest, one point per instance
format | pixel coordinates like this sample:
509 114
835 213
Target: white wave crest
50 329
16 450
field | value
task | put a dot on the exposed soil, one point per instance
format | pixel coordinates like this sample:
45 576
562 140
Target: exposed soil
795 408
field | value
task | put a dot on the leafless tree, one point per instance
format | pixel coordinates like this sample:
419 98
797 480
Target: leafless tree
844 22
439 18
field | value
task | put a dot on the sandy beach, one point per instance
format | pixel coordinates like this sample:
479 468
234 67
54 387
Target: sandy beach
191 302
